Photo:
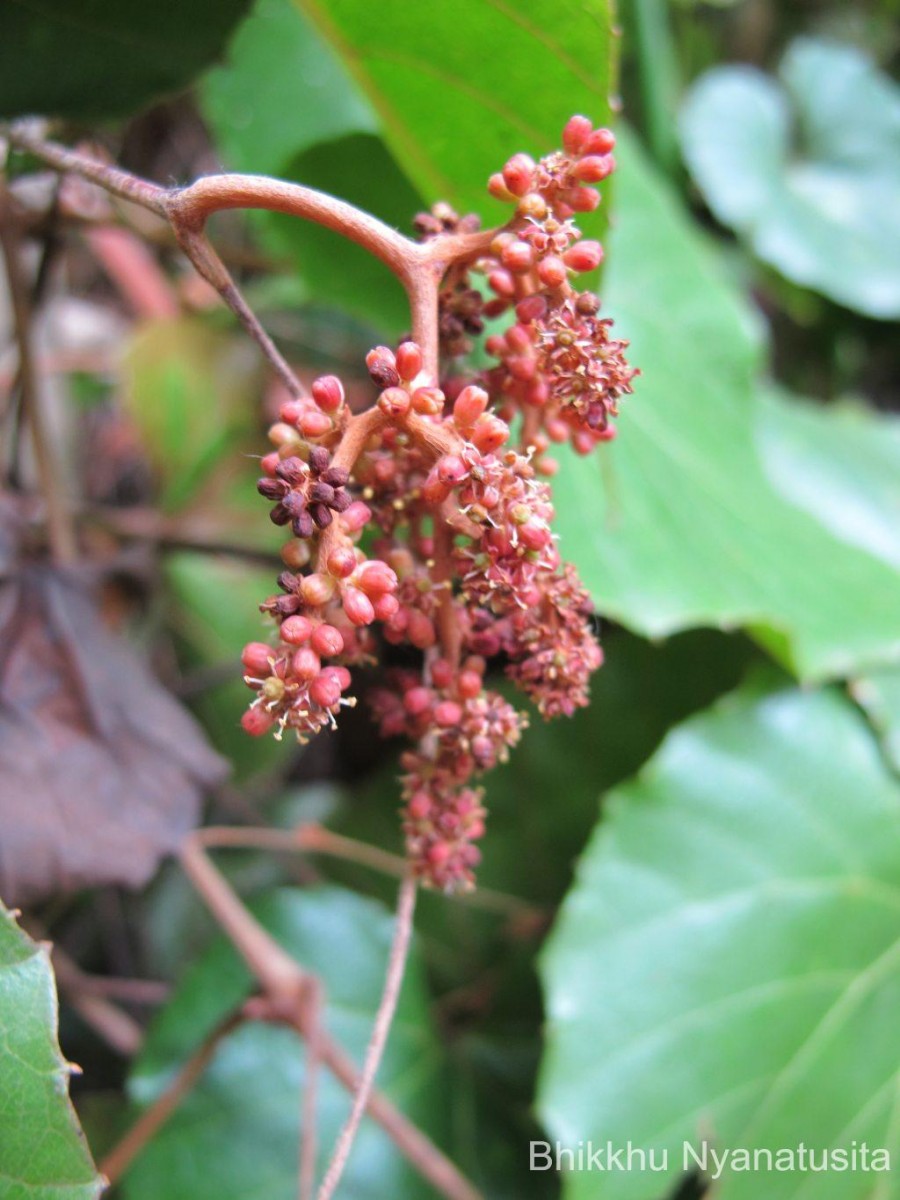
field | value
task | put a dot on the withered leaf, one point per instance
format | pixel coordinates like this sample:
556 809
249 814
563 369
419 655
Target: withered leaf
101 770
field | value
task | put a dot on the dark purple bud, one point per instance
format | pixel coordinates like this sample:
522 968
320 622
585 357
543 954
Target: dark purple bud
302 525
322 493
272 489
342 501
336 476
288 582
286 606
319 458
295 503
279 515
291 470
321 514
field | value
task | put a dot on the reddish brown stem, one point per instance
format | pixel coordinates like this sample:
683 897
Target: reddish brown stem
114 1165
383 1021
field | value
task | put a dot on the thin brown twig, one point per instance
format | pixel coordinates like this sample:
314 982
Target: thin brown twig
287 998
114 1165
309 1099
61 530
375 1050
117 1028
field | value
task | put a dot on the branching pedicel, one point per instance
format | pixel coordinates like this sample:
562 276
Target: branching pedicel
461 562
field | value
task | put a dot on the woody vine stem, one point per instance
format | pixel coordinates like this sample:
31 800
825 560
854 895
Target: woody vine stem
447 472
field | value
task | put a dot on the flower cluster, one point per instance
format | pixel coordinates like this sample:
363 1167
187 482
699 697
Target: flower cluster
445 475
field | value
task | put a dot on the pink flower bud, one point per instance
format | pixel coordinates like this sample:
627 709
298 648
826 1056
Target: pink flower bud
519 338
385 606
327 641
375 578
409 361
357 516
382 367
489 433
517 256
451 470
342 561
357 605
328 393
533 205
576 133
552 271
420 630
325 690
601 141
594 168
296 630
306 664
534 535
269 462
419 807
438 854
584 256
314 424
583 199
428 400
256 721
418 700
447 714
434 490
255 657
291 411
470 404
394 402
441 673
518 173
498 189
316 589
470 684
521 367
295 554
502 283
532 308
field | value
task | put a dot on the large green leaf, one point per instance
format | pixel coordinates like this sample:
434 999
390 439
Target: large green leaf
727 965
105 58
878 694
279 63
808 173
679 524
459 87
43 1155
841 464
236 1135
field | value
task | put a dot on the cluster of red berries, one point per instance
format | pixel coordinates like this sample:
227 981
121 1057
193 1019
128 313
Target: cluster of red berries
462 564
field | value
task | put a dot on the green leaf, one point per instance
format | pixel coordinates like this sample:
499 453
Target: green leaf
279 63
459 87
279 92
878 694
677 522
43 1154
236 1134
190 389
727 966
808 173
840 464
105 58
